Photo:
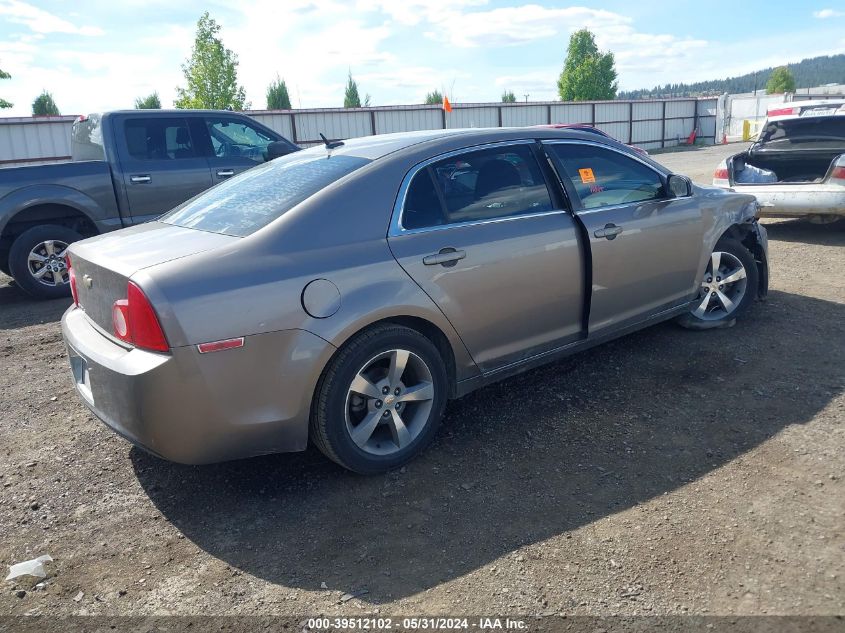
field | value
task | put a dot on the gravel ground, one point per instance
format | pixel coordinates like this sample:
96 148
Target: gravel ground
668 472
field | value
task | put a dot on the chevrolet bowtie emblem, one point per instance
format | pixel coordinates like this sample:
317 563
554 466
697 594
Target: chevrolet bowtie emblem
87 280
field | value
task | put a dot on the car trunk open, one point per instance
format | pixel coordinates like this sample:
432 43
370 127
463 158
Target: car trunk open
795 150
808 166
103 265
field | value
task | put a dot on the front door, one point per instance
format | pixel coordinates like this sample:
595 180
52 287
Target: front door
646 244
479 233
235 145
161 166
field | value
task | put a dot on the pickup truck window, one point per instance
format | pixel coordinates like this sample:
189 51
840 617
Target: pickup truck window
159 139
254 198
87 138
603 177
230 137
482 185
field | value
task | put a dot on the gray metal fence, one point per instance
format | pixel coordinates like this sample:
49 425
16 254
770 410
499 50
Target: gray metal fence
650 124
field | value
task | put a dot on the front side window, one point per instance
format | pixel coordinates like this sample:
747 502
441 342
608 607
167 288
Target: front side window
603 177
158 139
481 185
230 137
254 198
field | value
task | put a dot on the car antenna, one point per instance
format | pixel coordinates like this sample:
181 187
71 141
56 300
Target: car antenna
330 145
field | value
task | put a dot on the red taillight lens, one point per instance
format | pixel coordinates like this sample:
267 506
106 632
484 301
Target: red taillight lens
838 173
720 174
71 275
783 111
135 321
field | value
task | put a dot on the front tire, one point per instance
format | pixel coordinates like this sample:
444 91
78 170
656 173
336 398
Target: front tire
727 290
380 400
37 261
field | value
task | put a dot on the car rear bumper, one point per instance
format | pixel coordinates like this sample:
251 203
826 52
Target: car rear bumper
197 408
793 201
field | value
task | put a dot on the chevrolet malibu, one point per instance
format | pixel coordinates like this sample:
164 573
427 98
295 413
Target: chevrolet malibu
345 293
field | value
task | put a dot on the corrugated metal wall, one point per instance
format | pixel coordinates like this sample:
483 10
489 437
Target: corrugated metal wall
649 124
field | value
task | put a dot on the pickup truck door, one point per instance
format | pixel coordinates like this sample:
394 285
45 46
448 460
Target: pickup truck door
160 165
482 236
233 145
645 245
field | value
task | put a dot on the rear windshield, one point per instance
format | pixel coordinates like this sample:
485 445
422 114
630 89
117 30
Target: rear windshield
804 133
256 197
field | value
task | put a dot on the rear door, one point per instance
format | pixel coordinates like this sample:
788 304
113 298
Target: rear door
480 233
160 164
646 245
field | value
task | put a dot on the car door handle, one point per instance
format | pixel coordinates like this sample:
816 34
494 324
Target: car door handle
609 231
446 257
225 173
140 180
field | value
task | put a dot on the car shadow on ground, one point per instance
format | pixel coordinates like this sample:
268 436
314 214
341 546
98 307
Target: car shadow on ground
801 230
21 310
518 462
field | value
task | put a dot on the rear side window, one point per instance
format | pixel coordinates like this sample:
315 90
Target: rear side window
256 197
602 177
482 185
87 137
158 139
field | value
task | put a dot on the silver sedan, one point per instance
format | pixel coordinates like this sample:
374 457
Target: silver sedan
345 293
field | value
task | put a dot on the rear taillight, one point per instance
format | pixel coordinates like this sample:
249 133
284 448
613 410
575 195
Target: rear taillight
135 321
720 174
71 275
838 173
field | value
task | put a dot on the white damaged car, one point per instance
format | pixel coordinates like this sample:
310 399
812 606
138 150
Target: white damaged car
796 167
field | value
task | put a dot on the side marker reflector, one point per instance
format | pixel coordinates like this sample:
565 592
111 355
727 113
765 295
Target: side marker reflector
219 346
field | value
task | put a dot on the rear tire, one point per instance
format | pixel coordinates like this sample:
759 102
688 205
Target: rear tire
727 292
379 402
36 261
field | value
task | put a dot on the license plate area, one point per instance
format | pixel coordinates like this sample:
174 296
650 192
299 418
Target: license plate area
81 375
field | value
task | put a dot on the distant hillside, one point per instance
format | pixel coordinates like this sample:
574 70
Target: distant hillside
808 73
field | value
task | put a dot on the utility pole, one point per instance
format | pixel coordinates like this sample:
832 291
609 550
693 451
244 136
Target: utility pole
526 97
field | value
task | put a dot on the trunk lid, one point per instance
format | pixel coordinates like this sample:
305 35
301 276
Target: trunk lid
104 264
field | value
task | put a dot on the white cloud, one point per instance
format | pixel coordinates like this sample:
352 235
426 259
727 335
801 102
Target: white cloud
824 14
40 21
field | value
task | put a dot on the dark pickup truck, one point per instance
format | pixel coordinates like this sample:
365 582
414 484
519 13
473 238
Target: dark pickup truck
127 167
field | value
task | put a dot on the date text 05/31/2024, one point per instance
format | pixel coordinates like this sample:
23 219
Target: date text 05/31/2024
421 623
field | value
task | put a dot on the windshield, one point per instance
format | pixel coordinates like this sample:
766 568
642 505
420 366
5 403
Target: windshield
806 133
255 198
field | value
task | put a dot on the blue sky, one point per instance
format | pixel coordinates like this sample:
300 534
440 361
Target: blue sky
99 54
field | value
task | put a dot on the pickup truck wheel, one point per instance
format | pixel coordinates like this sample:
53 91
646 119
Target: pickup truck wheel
727 289
379 402
37 261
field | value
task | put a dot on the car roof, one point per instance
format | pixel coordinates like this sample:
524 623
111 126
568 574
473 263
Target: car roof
805 109
378 146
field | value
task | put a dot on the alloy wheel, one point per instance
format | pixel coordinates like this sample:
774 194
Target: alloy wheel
389 402
723 287
47 264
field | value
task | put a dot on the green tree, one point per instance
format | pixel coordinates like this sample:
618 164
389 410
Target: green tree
277 95
3 102
435 97
588 74
211 73
508 97
351 98
781 80
150 102
44 105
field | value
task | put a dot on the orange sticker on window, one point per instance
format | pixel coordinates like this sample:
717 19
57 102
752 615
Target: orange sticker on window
586 175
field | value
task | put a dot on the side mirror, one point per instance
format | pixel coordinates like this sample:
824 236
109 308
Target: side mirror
279 148
680 186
